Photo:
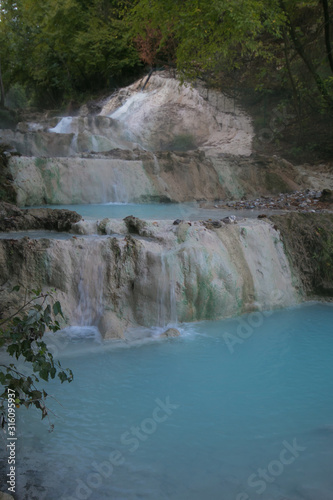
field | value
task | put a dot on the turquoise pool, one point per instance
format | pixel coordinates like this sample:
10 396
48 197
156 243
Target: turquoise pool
239 409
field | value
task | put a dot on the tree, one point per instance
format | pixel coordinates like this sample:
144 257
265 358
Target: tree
62 47
2 89
305 46
210 34
21 334
204 31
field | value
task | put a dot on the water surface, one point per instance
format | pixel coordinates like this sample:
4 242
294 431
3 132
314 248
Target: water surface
153 211
197 417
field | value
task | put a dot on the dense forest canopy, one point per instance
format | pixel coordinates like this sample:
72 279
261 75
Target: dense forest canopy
56 50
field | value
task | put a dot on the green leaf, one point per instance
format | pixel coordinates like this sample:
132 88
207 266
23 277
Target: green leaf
57 309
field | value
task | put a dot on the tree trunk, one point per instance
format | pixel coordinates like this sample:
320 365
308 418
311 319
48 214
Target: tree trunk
296 97
2 90
327 34
307 61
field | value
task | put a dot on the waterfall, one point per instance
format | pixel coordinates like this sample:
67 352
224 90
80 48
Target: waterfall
64 126
157 168
167 303
73 148
90 285
94 144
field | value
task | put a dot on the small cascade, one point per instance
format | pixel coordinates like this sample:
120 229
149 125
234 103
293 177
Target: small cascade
157 168
119 192
90 286
64 126
94 144
167 302
73 148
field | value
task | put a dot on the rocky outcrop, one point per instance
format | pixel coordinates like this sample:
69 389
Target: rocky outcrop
182 272
13 218
7 189
141 176
164 143
169 117
308 240
164 117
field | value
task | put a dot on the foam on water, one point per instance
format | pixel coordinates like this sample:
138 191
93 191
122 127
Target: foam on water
191 418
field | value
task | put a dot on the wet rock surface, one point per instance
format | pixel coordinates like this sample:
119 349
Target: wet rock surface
187 272
170 333
136 226
13 218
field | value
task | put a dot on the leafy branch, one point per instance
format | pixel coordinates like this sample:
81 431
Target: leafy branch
21 336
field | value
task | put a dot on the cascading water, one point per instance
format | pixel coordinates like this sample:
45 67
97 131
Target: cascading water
167 303
90 286
65 126
119 192
94 144
73 148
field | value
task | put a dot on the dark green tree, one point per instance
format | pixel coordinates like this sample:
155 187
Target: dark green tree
284 36
60 48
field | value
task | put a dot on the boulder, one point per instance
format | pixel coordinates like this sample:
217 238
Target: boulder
136 226
326 196
231 219
13 218
170 333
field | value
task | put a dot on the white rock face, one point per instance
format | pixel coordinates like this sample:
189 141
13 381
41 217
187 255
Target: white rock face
163 116
79 180
178 273
167 116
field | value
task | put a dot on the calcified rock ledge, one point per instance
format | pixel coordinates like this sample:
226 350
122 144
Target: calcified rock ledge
158 273
13 218
141 176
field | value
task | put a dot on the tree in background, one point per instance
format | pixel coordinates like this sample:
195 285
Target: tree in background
60 48
210 33
280 46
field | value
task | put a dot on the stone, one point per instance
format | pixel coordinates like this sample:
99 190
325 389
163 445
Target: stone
231 219
136 226
326 196
13 218
216 223
5 496
170 333
177 222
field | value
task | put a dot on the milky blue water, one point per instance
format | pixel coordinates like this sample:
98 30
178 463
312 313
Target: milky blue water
228 411
158 211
